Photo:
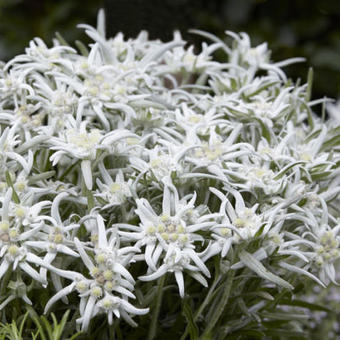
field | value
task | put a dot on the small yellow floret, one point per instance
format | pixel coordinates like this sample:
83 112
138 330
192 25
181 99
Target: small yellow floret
161 228
150 230
107 303
165 218
13 250
115 187
101 258
13 233
95 271
58 238
165 236
109 285
305 156
174 237
108 274
82 286
94 238
239 223
224 231
21 186
180 228
96 292
4 226
184 238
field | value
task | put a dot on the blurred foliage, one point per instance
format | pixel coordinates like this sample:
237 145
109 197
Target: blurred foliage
22 20
292 28
307 28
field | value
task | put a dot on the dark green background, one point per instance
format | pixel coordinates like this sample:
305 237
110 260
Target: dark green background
307 28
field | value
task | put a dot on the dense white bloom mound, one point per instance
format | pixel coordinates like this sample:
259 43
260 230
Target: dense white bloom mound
142 151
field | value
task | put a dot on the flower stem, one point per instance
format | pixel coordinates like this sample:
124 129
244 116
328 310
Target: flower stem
221 306
202 306
157 307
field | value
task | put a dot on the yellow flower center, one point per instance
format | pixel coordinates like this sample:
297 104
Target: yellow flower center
96 292
13 250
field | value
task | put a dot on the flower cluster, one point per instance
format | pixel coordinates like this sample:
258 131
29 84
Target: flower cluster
138 151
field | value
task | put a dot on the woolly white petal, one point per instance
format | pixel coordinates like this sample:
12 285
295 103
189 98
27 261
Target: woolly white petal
199 277
157 253
87 173
180 283
7 301
88 313
102 239
65 291
158 273
86 259
124 291
124 272
131 309
55 207
3 267
199 263
31 272
5 204
148 255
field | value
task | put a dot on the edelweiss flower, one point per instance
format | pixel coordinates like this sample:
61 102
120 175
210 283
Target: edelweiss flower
255 57
56 238
113 192
13 237
243 221
168 239
187 159
110 284
81 143
161 163
216 151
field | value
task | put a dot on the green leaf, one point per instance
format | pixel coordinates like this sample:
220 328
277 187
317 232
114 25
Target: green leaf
34 316
260 231
41 177
21 328
302 271
193 329
265 130
222 302
321 175
61 39
82 48
330 143
309 116
265 295
304 304
156 308
68 170
75 336
15 196
47 327
62 323
309 84
284 334
262 88
90 199
252 263
233 84
284 316
287 168
248 333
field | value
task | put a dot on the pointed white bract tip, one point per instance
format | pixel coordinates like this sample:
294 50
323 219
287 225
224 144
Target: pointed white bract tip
87 173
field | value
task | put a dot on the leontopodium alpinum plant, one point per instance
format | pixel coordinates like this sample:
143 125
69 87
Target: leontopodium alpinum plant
145 183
